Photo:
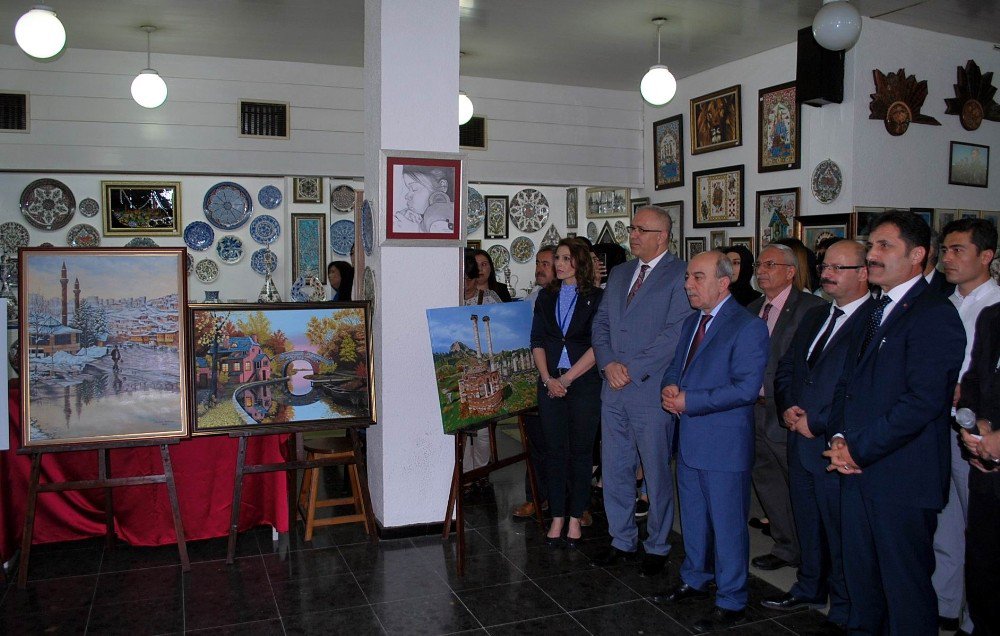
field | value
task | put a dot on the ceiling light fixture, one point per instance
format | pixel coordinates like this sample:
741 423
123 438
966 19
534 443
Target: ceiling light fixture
658 86
39 33
148 88
465 109
837 25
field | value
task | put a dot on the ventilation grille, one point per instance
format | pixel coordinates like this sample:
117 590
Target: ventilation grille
14 111
472 134
264 119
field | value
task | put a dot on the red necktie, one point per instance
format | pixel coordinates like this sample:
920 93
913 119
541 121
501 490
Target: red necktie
638 283
767 312
698 337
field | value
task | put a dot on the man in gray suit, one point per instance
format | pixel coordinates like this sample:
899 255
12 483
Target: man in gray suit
635 332
782 308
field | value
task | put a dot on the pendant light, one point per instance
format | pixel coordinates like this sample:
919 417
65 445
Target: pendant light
39 33
658 86
465 109
148 88
837 25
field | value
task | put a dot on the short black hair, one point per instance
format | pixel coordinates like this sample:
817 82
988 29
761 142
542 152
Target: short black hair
912 229
981 231
471 266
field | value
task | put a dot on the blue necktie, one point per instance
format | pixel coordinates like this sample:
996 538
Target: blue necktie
874 322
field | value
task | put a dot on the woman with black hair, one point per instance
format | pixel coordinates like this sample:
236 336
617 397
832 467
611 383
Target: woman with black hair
488 276
340 275
740 287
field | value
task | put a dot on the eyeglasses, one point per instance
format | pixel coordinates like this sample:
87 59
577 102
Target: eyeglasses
636 228
770 265
837 268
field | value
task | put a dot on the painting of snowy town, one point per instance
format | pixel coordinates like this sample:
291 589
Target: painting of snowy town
482 362
284 366
105 353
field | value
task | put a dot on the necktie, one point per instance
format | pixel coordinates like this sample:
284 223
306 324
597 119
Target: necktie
823 339
638 283
874 322
698 337
767 312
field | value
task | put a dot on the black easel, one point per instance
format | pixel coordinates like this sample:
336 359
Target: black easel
104 480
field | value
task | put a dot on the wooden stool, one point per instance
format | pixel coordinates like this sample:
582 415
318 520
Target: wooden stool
331 448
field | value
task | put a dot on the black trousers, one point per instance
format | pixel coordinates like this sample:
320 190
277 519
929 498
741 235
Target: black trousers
536 448
569 426
982 554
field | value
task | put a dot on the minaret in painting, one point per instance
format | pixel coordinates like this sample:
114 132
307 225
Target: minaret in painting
76 298
64 279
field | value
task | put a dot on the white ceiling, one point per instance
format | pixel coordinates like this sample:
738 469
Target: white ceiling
600 43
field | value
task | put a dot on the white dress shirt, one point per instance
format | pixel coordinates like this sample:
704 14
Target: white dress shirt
848 310
968 310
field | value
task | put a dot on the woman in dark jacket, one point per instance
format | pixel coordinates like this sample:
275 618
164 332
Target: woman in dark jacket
488 276
742 261
569 402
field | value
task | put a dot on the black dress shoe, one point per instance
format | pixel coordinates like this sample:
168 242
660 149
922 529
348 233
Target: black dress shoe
789 602
682 592
719 619
612 556
770 562
652 564
554 542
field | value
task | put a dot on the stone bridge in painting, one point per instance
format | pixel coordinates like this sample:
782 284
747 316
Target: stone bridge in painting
288 357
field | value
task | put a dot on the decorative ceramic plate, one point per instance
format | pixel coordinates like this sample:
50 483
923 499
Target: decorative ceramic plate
190 264
199 236
621 234
141 241
592 232
47 204
83 235
265 229
269 197
227 205
522 249
826 181
529 210
229 249
12 272
12 236
307 288
342 237
89 207
206 270
551 238
368 287
367 228
14 354
477 210
264 261
500 256
342 198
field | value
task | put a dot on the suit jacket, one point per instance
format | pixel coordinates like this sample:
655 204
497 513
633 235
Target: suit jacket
795 384
892 404
546 334
795 308
940 285
981 386
643 334
721 386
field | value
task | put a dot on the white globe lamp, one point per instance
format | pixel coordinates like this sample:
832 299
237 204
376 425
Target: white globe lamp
148 88
658 85
39 33
465 109
837 25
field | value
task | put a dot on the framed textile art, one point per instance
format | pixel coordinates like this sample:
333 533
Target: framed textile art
779 137
636 204
572 207
141 208
716 121
425 196
307 189
497 221
718 197
309 245
676 211
716 239
693 246
776 212
607 202
668 152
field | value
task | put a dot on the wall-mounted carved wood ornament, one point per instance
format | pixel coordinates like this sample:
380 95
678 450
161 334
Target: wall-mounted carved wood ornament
897 101
973 101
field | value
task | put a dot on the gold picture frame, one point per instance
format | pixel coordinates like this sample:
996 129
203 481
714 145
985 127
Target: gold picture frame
141 208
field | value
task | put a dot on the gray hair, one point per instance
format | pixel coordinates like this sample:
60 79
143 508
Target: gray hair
723 266
786 251
660 212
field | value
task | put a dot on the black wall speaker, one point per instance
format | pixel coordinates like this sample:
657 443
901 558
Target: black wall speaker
819 72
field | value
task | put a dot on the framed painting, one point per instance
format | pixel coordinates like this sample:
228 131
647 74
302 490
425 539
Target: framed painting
718 197
716 239
776 212
745 241
813 229
779 138
425 194
716 121
668 153
103 345
607 202
676 211
497 221
572 207
969 165
309 245
942 217
141 208
693 246
861 221
284 366
635 204
307 189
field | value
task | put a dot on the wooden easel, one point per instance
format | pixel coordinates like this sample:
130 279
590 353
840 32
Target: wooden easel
104 480
298 461
460 478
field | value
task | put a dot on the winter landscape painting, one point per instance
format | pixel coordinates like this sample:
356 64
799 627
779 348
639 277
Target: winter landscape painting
103 345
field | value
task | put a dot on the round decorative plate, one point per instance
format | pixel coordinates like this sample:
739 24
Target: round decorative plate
230 249
89 207
477 210
265 229
826 181
199 236
47 204
269 197
190 264
227 205
13 235
529 210
972 114
522 249
621 233
83 235
500 256
592 232
307 288
342 237
368 287
206 270
264 261
141 241
367 228
342 198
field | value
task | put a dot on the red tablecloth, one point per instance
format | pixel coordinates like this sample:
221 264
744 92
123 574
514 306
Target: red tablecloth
204 470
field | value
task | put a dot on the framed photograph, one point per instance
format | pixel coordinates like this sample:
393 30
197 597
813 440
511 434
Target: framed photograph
745 241
676 211
716 121
668 152
635 204
103 345
497 221
309 245
776 212
607 202
285 366
813 229
572 207
307 189
718 197
693 246
861 221
779 137
141 208
716 239
969 165
942 217
425 194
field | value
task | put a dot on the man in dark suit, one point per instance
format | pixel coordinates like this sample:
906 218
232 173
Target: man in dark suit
711 385
781 307
803 390
891 408
937 281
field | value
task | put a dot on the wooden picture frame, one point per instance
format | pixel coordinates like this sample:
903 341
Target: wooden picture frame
309 245
676 211
425 196
776 213
104 345
813 229
604 203
497 223
694 245
969 165
572 208
716 121
307 189
718 197
745 241
779 136
668 152
717 239
141 208
635 204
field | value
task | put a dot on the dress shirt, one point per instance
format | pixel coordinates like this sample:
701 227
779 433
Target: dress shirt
930 277
848 310
968 310
708 325
896 294
652 265
777 304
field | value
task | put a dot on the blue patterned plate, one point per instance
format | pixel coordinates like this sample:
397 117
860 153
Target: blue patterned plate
230 249
264 261
477 210
342 237
265 229
227 205
269 197
367 228
199 236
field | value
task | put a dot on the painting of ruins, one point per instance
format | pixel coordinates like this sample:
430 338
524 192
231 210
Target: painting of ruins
292 366
482 362
104 345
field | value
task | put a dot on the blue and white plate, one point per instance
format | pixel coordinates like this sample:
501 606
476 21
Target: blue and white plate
230 249
477 210
265 229
367 228
342 237
199 236
269 197
141 241
227 205
264 261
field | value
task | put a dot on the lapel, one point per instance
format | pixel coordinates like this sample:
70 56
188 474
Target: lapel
651 275
585 306
845 329
902 307
786 314
620 295
715 326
